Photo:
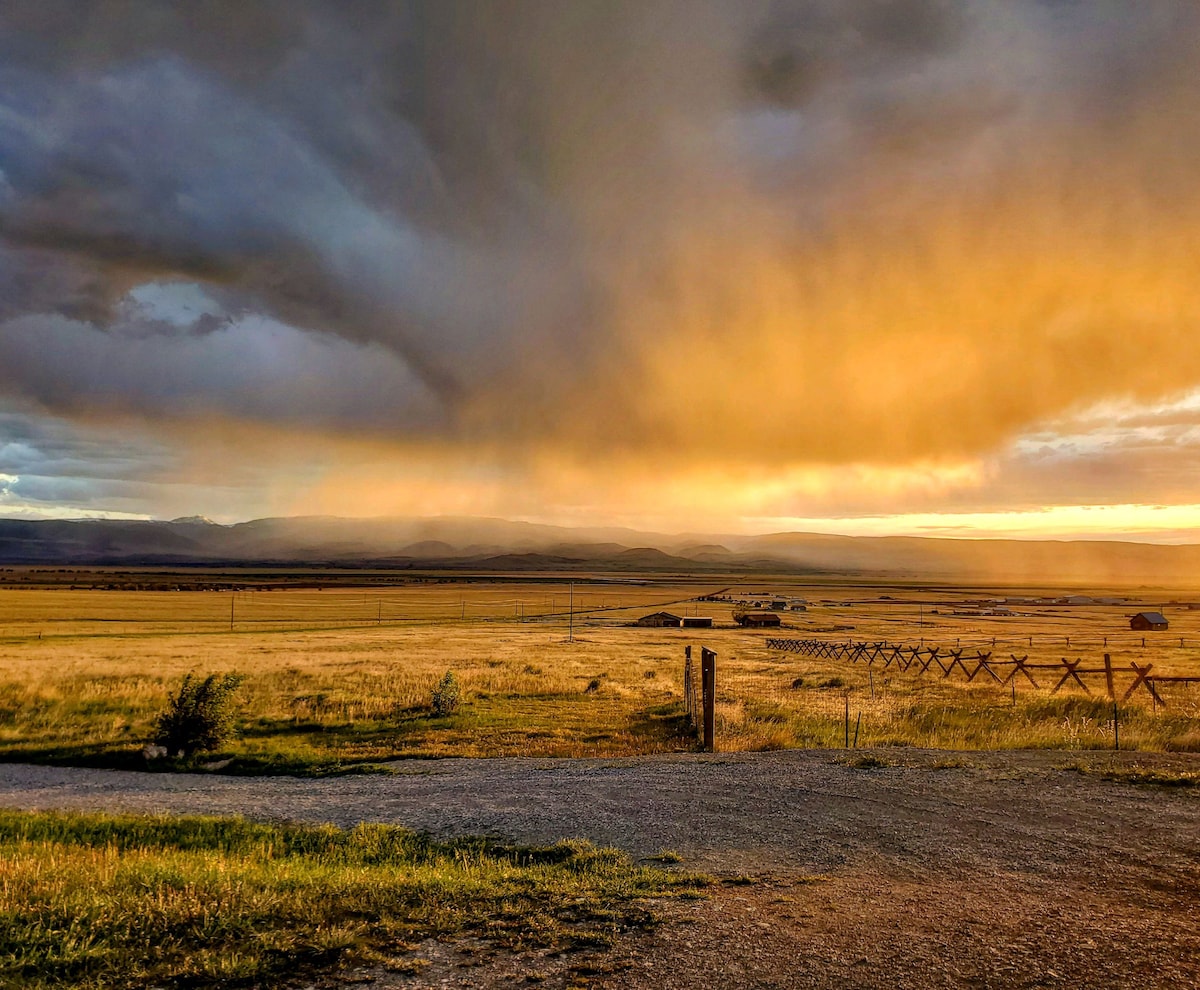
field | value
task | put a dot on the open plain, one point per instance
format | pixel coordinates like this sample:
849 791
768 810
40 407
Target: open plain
860 825
337 676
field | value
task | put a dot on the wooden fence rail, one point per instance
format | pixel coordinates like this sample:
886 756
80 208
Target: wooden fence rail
945 660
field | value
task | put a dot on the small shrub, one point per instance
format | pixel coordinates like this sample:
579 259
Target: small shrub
199 716
833 682
650 675
592 686
446 695
798 682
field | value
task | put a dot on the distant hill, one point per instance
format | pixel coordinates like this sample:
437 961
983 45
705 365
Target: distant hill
503 545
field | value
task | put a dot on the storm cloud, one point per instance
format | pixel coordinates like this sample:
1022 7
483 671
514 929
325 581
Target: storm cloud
756 233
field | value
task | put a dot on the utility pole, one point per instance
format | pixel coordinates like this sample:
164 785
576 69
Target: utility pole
232 599
571 620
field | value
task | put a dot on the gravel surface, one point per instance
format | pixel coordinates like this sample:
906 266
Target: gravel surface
936 870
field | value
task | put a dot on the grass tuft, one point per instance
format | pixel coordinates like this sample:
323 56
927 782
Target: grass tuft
866 762
1140 775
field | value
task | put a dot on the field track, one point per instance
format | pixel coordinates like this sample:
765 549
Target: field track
935 869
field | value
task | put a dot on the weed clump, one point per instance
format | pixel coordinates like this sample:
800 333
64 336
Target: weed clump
592 686
867 762
447 695
199 716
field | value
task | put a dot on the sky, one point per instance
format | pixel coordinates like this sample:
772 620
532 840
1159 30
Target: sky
924 267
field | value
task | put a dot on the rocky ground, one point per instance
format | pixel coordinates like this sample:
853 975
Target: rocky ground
898 869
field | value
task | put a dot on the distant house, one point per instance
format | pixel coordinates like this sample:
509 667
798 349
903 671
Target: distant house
779 603
1148 620
696 622
660 619
756 620
798 607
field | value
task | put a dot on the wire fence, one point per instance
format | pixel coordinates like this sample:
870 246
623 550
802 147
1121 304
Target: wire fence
700 695
691 691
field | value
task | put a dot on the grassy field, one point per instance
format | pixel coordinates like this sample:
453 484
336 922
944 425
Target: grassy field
99 901
342 678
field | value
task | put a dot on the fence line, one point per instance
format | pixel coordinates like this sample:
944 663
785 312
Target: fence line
945 660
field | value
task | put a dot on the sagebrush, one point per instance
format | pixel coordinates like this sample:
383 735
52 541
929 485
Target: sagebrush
199 716
447 695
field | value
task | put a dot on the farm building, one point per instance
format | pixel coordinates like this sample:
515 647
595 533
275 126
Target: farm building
756 620
1148 620
697 622
779 603
660 619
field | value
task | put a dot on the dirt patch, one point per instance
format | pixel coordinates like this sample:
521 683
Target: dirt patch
870 931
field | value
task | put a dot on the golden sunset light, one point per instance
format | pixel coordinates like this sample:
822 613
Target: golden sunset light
611 494
762 264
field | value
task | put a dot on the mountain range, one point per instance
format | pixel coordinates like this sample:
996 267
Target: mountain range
447 543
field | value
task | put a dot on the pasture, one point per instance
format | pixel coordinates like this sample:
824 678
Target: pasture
340 677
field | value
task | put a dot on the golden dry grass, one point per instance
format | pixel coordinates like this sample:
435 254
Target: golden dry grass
343 676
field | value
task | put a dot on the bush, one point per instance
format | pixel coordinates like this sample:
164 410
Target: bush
446 695
199 717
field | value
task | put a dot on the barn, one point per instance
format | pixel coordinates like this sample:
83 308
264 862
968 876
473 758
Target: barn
756 620
1148 620
697 622
660 619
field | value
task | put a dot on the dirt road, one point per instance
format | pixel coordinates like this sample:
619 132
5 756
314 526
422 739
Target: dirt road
933 870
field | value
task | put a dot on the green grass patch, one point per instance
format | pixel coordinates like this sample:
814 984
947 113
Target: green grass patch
92 900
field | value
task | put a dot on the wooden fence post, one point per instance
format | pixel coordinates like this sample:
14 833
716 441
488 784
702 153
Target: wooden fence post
708 680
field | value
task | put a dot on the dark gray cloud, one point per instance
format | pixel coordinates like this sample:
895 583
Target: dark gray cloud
250 368
506 218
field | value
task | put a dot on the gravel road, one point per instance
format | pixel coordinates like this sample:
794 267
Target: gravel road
935 870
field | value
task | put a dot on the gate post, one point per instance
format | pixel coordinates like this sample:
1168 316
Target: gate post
708 680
